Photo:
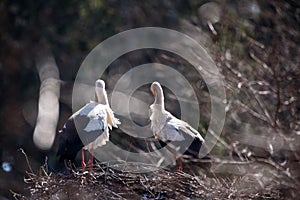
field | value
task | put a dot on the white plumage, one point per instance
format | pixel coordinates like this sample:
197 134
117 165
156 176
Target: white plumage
96 114
168 128
164 125
100 117
88 128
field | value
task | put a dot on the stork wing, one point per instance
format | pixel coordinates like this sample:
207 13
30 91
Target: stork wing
85 110
97 119
170 131
94 115
95 124
183 129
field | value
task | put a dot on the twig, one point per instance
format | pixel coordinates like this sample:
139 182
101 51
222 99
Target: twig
216 160
142 183
252 112
27 161
16 195
260 62
253 91
278 167
278 98
43 170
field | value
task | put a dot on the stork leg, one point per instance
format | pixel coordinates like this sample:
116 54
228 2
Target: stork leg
179 168
82 159
91 161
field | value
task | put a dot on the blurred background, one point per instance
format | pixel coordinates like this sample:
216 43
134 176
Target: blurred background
255 45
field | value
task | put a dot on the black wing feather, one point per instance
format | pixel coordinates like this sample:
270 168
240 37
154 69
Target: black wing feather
70 142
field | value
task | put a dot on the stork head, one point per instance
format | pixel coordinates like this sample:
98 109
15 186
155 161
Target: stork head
100 84
158 93
101 92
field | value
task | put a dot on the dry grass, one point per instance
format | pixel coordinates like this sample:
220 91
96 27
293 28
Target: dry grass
107 183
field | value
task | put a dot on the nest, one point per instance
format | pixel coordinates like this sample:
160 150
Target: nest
108 183
116 181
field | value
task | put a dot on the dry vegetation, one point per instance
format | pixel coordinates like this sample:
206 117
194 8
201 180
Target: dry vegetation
194 182
106 183
257 52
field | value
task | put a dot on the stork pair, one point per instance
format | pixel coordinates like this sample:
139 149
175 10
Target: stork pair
96 118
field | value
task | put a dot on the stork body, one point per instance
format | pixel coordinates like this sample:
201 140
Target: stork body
88 128
168 128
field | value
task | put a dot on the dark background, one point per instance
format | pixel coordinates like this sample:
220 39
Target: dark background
255 44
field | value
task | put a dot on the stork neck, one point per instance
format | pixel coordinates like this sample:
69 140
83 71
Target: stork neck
157 107
159 99
159 102
102 97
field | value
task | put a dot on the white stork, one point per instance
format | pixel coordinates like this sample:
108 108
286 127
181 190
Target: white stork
168 128
92 123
